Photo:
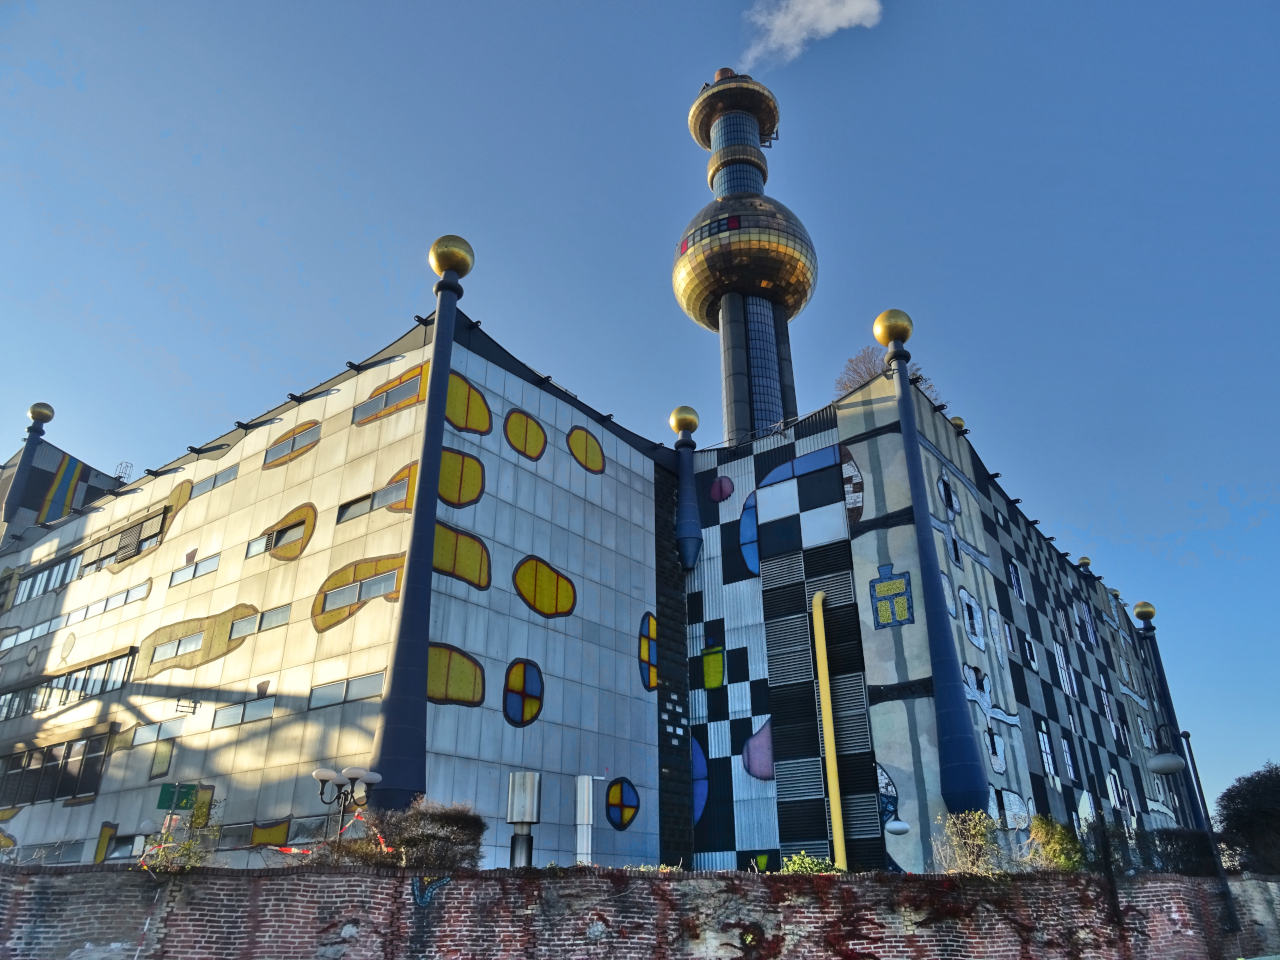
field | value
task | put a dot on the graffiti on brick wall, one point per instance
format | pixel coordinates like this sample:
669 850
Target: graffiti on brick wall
425 888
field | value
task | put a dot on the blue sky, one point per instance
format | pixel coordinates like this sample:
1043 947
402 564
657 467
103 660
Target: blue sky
205 206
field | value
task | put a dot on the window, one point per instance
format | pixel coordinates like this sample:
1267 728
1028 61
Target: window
388 399
388 495
217 480
1068 760
248 712
1015 581
275 617
1046 748
70 769
361 590
193 570
1029 652
972 619
91 681
298 441
151 732
275 539
49 579
1008 637
1065 672
356 688
175 648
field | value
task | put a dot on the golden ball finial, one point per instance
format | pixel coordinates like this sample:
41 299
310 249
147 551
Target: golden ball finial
1085 561
1144 611
958 422
682 419
451 252
40 412
892 325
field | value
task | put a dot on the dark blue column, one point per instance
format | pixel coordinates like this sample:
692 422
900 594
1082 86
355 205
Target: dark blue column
400 741
964 781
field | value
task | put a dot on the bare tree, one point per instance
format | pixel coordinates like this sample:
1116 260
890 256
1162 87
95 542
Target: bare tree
867 364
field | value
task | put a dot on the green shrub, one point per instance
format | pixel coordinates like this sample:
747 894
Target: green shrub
803 863
1054 845
967 843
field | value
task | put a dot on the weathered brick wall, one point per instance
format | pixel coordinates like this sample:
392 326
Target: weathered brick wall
105 913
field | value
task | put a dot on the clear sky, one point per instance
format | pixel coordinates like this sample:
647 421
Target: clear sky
204 206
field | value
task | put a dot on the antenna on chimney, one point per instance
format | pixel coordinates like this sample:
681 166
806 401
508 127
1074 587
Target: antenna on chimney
124 471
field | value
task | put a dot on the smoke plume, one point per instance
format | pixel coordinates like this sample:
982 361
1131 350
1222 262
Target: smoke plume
786 26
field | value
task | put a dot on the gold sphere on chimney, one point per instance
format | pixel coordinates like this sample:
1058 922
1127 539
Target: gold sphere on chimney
451 252
1085 561
40 412
958 422
892 325
682 419
1144 611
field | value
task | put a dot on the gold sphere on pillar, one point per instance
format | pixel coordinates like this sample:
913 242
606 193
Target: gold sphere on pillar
40 412
451 252
958 422
682 419
892 325
1144 611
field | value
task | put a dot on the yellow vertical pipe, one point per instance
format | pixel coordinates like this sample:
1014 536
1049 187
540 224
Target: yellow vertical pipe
828 733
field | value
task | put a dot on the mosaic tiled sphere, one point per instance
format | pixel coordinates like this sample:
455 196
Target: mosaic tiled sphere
748 244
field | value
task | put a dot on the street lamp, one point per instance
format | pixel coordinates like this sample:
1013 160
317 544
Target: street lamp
897 827
1166 762
344 785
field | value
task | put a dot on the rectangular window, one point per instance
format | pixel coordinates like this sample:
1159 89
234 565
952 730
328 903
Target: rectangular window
201 488
356 508
197 569
379 585
244 626
145 734
342 596
164 651
116 600
1068 762
227 716
275 617
297 442
360 688
1046 748
136 593
287 535
259 709
1015 581
217 480
190 642
392 494
327 694
258 545
170 729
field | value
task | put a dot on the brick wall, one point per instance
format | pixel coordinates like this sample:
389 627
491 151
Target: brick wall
107 913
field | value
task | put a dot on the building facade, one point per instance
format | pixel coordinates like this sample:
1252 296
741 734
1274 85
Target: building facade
821 634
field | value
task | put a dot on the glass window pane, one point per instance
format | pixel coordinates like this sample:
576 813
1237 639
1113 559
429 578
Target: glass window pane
136 593
201 488
93 609
403 392
342 596
207 565
324 695
182 575
190 642
278 451
165 651
366 409
97 674
257 546
356 508
259 709
226 476
287 535
171 728
275 617
244 626
369 685
377 586
228 716
392 494
145 734
308 436
116 600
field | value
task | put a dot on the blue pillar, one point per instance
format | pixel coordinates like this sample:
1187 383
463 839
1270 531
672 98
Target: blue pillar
400 741
964 780
684 420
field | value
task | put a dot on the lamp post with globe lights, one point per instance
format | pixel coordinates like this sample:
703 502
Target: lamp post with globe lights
344 784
